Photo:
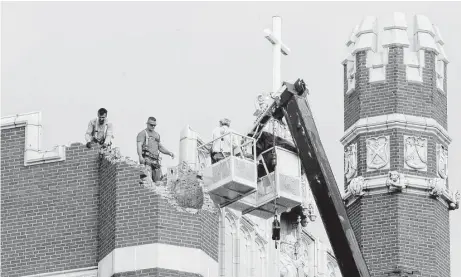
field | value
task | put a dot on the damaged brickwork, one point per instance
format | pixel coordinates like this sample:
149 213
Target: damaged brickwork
185 192
71 214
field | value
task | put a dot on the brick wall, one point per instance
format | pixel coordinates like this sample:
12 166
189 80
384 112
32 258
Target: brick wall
410 231
378 228
71 214
395 95
210 233
354 212
106 218
48 212
442 238
189 230
144 217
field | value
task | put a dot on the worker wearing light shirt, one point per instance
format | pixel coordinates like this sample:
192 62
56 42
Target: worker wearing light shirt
99 131
222 147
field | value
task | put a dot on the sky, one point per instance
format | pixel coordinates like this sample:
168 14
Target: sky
192 63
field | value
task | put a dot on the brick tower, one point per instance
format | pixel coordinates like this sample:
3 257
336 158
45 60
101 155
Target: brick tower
396 146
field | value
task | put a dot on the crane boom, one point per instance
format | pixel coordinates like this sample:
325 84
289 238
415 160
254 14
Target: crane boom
294 107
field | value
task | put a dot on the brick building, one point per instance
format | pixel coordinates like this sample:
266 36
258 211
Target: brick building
396 146
75 212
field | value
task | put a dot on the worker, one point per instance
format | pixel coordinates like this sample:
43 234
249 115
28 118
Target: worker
99 131
221 147
149 149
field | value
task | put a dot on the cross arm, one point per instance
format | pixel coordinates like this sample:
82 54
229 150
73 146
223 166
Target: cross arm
270 37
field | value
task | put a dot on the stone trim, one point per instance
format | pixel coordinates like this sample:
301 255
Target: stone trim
80 272
412 185
393 31
391 121
157 255
33 153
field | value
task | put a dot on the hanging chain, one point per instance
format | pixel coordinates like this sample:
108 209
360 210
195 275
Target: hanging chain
275 220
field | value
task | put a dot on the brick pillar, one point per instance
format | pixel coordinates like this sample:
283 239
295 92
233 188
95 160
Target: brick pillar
396 141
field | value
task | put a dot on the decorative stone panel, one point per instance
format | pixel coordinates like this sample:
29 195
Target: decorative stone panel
415 153
350 162
442 161
378 153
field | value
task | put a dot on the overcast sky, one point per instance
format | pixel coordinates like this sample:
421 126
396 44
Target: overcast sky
194 63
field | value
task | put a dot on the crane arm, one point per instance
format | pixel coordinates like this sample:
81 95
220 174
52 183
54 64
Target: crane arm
292 104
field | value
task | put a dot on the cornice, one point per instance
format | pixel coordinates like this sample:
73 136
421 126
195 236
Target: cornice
392 121
413 184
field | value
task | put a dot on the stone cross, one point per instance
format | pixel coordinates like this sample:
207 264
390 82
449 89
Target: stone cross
275 37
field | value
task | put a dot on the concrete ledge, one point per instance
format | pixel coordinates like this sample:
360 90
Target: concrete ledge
32 150
80 272
157 255
414 185
392 121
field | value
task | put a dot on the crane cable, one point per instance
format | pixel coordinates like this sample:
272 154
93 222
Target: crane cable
274 161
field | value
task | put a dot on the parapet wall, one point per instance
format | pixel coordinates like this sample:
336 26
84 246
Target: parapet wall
376 39
48 211
393 67
86 212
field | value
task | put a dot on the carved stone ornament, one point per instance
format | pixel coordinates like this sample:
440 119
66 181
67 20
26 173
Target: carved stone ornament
442 161
396 181
455 200
261 104
415 153
357 185
350 162
351 70
293 257
305 190
438 186
378 153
